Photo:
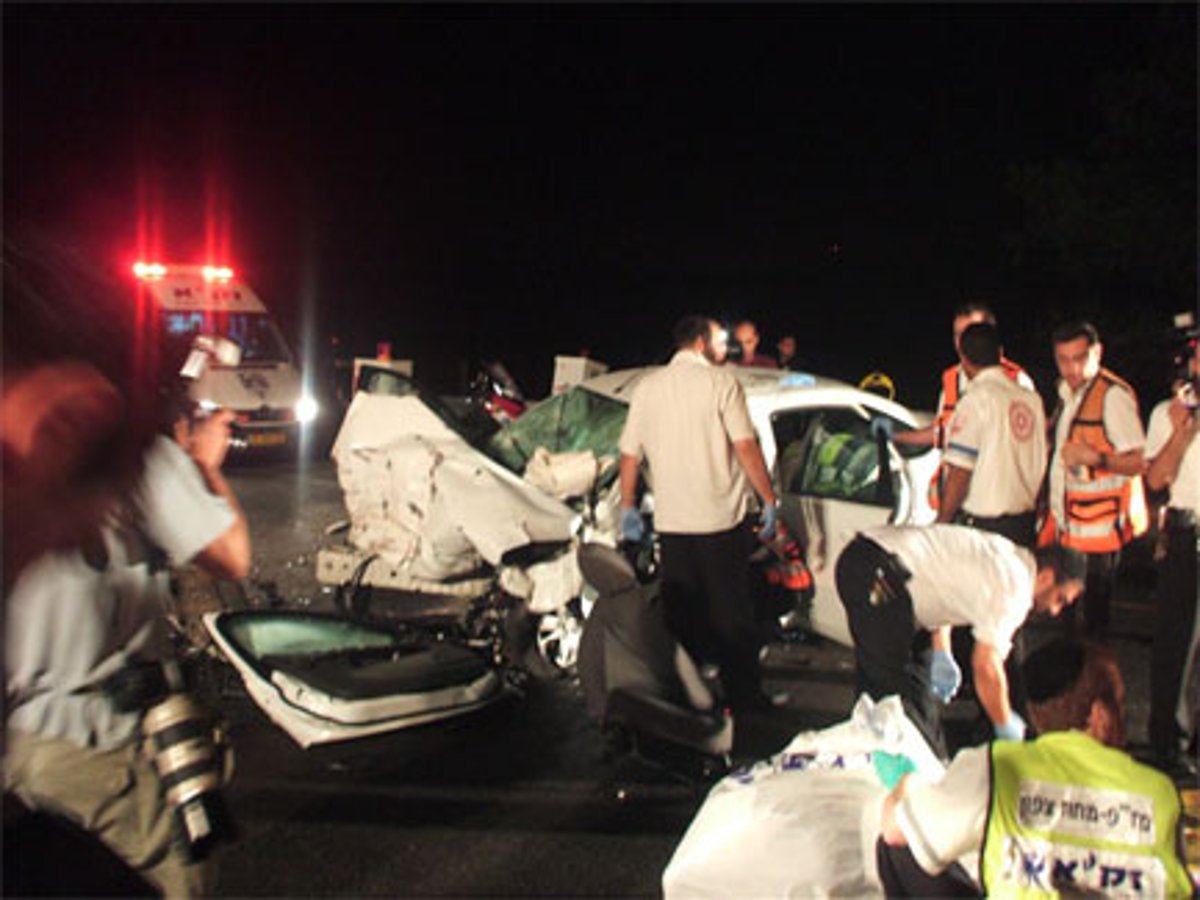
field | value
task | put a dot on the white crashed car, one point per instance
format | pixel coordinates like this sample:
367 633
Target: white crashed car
447 507
833 475
463 496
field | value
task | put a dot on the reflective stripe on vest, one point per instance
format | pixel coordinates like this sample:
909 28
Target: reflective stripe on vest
1103 510
1070 815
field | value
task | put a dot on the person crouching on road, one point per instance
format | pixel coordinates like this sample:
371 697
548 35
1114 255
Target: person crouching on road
899 582
690 421
1069 814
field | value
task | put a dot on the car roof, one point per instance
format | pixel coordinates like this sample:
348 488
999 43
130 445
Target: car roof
620 383
761 386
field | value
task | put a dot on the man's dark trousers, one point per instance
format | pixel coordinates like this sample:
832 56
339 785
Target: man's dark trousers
1176 616
891 652
708 605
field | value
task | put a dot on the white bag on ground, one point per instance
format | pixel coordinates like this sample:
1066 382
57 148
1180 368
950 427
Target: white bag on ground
804 822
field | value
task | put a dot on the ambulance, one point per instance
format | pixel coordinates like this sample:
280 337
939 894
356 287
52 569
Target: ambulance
263 388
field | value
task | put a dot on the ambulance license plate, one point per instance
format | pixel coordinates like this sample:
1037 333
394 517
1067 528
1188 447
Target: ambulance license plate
267 439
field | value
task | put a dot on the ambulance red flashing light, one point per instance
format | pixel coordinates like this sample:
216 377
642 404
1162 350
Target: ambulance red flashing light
151 271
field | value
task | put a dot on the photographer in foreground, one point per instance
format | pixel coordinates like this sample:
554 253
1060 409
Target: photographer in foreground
75 417
98 727
1174 465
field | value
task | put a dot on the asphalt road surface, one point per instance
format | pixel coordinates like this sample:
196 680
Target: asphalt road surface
517 800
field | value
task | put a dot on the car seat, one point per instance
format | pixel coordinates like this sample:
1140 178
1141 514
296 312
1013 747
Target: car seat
639 684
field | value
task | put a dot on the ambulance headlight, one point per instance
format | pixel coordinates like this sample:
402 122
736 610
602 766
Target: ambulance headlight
306 410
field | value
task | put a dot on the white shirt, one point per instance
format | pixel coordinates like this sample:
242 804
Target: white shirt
1185 489
684 419
71 624
964 576
998 433
964 382
944 822
1121 424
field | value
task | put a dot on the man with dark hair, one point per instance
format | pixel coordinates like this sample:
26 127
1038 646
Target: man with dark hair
690 422
1095 494
954 380
995 453
786 348
899 582
1067 814
993 463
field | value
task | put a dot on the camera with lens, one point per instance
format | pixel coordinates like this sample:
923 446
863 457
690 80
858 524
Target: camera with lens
189 754
179 382
1187 377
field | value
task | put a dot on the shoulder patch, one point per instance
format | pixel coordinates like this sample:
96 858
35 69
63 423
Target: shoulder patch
1020 420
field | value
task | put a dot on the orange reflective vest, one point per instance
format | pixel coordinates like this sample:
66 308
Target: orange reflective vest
941 422
950 393
1104 510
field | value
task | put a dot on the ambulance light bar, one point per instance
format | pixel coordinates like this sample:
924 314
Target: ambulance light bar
152 271
149 271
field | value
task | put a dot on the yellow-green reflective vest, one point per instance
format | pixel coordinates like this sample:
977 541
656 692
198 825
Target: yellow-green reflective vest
1069 814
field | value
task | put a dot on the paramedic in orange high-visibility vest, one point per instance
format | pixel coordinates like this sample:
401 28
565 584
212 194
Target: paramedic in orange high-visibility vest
953 384
1095 498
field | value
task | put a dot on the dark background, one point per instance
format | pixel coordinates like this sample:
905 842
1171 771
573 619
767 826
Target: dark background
525 181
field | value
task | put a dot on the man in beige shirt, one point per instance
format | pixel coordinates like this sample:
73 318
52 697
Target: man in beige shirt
690 423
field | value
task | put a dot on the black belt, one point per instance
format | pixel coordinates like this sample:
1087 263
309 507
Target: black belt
1180 519
890 575
970 518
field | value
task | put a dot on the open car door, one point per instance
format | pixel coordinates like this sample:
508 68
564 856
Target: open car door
836 477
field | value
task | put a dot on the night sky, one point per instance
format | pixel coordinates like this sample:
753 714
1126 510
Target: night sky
521 182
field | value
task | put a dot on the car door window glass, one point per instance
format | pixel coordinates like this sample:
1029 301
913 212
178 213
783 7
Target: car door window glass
829 453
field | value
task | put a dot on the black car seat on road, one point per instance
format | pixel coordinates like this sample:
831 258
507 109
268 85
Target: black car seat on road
635 675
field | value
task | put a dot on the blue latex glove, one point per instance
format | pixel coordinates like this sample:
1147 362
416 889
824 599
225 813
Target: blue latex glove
632 527
884 424
766 525
945 677
891 767
1013 729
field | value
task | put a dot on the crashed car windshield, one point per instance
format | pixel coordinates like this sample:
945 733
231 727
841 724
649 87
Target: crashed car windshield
575 420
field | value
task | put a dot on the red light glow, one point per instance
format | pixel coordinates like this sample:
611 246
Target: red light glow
149 271
217 273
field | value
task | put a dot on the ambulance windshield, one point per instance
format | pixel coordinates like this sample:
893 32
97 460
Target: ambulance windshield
255 333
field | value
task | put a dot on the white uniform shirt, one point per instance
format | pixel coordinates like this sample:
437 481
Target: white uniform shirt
1022 379
964 576
1185 489
1121 424
944 822
70 624
684 418
998 433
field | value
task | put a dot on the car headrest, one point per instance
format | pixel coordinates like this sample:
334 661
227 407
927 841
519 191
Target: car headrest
606 569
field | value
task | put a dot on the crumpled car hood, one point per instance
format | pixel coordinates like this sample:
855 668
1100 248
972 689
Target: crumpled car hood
422 497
